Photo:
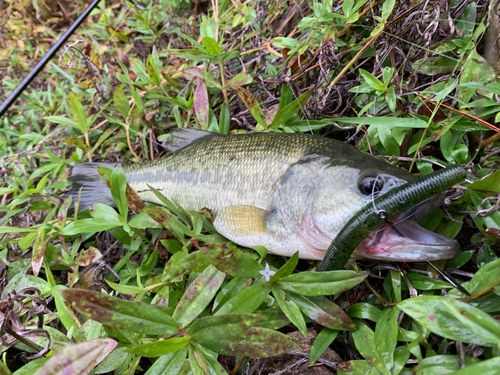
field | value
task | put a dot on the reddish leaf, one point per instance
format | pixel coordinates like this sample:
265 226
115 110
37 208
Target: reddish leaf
201 104
78 359
251 103
134 316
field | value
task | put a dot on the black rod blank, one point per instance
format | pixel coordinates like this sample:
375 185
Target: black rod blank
41 64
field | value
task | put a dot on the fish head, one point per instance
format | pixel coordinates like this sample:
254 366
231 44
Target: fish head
345 189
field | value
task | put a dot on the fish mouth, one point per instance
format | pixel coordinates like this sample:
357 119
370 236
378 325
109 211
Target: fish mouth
406 240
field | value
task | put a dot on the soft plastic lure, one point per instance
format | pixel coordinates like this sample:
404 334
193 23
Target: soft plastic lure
384 207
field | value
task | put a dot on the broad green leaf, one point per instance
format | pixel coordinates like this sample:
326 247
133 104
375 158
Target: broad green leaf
121 102
486 278
235 264
441 365
125 289
291 310
251 103
358 367
159 348
62 312
224 119
133 316
453 319
170 363
198 295
240 79
323 311
364 339
321 343
251 342
211 46
213 327
491 183
321 283
422 282
118 185
232 288
385 121
78 113
16 229
488 367
290 110
89 225
287 268
372 80
248 300
78 358
386 334
364 310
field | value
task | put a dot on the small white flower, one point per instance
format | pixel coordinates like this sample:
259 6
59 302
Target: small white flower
266 272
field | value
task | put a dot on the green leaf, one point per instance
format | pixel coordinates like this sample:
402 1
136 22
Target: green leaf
287 268
248 300
235 264
489 183
441 364
169 363
121 102
125 289
240 338
323 311
133 316
385 121
290 110
364 339
423 282
78 113
321 343
224 119
453 319
386 334
291 310
89 225
198 295
118 185
211 46
488 367
240 79
372 80
78 358
321 283
485 279
364 310
251 103
159 348
358 367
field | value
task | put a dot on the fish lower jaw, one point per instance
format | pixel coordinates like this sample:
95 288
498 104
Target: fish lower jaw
416 245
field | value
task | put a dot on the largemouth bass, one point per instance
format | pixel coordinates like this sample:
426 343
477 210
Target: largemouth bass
287 192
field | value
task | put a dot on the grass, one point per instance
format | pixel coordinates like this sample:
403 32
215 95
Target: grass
410 82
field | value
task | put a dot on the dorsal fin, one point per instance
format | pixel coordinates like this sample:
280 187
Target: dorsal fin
184 137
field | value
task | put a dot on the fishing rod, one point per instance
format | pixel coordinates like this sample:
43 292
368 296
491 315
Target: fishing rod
41 64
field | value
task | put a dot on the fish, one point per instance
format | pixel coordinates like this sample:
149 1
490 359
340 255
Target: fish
288 192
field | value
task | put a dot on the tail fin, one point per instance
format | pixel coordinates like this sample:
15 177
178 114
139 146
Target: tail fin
86 177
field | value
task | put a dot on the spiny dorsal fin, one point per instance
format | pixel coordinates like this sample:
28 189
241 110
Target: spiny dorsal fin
184 137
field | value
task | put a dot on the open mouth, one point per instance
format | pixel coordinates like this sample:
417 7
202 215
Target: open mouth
406 240
415 244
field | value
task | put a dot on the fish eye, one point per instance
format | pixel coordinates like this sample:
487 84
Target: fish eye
370 185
